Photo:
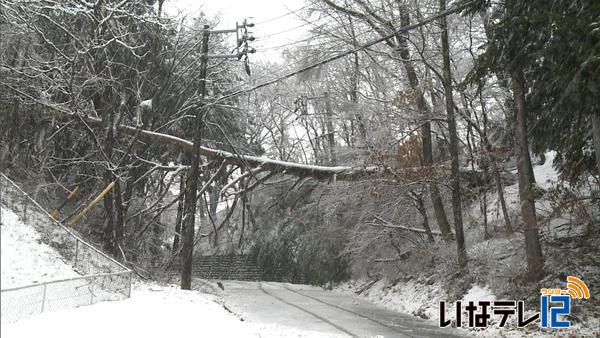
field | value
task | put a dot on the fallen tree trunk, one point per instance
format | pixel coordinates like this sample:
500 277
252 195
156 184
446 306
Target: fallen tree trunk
387 224
290 168
346 173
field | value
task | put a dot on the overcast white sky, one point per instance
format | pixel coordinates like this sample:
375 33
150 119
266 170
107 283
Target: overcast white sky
230 11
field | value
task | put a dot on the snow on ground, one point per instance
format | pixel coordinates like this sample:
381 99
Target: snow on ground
152 311
546 177
414 297
411 297
553 225
24 259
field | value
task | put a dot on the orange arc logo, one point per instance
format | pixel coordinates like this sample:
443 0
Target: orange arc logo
577 288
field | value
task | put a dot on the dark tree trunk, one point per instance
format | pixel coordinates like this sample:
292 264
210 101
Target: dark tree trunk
436 199
120 214
355 85
533 249
109 227
330 131
596 135
438 206
531 175
180 209
210 207
241 240
417 199
483 207
499 190
487 149
455 166
103 104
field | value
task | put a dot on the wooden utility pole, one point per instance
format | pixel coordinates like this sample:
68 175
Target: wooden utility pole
189 214
193 175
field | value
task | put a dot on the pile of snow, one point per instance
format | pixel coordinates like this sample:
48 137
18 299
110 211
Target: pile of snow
553 224
152 311
477 293
545 175
24 258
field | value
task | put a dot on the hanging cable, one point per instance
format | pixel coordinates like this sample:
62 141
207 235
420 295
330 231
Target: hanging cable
348 52
285 14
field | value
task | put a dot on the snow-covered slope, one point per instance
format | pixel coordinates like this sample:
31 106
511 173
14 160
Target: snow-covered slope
24 258
152 311
492 262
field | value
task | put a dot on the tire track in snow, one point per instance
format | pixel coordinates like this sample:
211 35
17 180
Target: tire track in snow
260 287
349 311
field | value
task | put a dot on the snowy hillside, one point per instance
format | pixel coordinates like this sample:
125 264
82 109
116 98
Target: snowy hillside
152 310
492 260
24 258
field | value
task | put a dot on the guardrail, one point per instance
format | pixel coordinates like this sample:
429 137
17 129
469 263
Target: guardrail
103 278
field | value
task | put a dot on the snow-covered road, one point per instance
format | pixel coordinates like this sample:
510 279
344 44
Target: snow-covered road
331 313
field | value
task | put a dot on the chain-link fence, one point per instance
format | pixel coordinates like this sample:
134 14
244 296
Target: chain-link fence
103 278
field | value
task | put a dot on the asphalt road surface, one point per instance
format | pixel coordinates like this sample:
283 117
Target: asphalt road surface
330 313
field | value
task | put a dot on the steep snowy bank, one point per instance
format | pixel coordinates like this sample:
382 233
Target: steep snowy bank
496 263
24 258
152 311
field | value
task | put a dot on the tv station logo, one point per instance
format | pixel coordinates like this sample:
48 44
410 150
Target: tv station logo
555 304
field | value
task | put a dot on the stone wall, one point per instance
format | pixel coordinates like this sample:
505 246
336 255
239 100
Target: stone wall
234 267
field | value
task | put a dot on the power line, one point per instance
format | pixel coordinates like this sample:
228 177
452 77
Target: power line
292 43
285 14
265 48
315 26
350 51
318 34
288 30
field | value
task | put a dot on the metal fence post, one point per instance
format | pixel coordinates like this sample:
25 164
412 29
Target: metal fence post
129 292
24 205
1 195
44 297
92 291
76 252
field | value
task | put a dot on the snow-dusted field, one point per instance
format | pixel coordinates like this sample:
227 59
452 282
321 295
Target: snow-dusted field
24 259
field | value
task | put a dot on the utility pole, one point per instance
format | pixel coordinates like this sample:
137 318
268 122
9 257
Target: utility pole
194 171
242 48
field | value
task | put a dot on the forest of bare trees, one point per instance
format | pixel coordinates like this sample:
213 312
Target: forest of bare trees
376 146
